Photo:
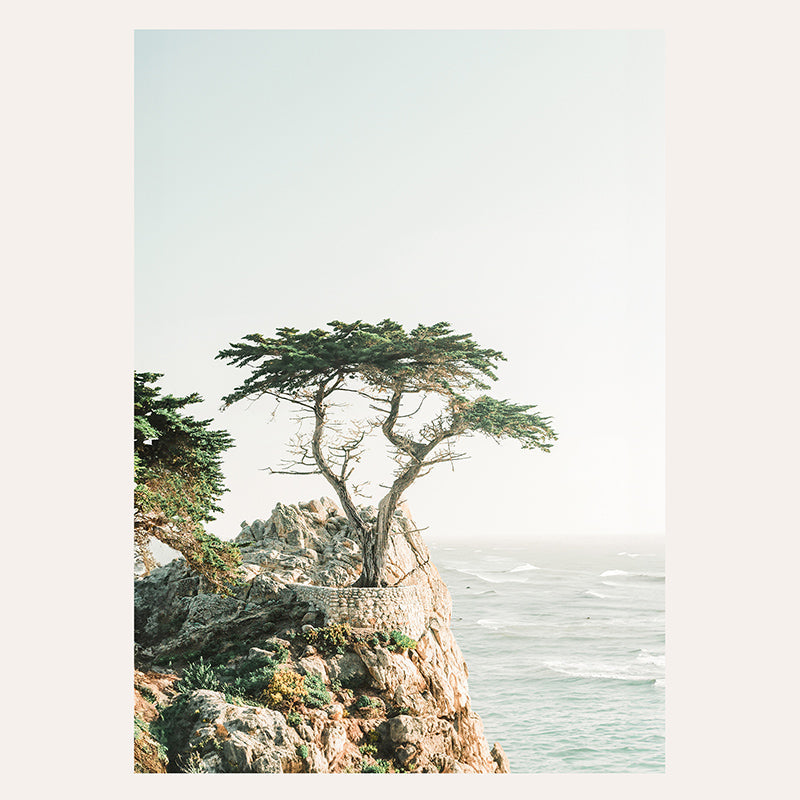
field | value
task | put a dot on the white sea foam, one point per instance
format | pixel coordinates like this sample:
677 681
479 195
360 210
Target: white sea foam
596 670
596 594
497 579
523 568
612 573
646 657
630 555
493 624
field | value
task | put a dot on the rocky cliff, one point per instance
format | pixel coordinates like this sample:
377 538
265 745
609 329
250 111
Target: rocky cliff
288 676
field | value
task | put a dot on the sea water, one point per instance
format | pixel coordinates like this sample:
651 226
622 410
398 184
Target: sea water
564 642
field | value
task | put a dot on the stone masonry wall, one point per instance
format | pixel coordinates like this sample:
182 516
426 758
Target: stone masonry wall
391 608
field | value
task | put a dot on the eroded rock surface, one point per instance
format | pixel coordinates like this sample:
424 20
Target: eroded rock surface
372 704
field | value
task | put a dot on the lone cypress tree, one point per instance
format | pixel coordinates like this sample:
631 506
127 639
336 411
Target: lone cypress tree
178 480
386 365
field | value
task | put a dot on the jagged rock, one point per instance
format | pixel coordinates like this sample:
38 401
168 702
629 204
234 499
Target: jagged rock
251 739
314 665
391 670
417 707
349 670
500 758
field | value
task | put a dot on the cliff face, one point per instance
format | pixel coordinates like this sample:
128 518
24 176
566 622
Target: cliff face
272 680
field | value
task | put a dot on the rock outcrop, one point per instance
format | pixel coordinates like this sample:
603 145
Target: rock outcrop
271 679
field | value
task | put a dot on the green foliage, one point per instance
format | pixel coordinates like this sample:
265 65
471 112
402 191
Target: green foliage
178 481
236 700
281 653
302 750
286 690
316 695
333 639
379 765
500 419
430 357
148 695
368 702
399 641
167 440
368 749
199 675
139 727
294 719
254 683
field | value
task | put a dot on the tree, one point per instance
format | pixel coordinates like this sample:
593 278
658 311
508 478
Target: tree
178 480
387 366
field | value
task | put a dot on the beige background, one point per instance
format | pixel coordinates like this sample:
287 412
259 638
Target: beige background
732 388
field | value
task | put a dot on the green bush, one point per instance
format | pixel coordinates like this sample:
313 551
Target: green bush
285 690
253 682
331 640
199 675
281 653
317 695
380 765
368 702
294 719
399 641
302 750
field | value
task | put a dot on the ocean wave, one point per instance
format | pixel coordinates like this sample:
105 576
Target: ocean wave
492 624
596 594
491 580
602 671
630 555
646 657
523 568
614 573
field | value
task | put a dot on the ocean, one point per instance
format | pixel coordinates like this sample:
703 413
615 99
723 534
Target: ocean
565 645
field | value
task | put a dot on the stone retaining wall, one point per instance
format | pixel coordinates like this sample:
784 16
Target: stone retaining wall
391 608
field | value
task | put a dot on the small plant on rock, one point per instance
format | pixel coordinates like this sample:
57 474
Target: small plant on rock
379 765
368 702
285 691
199 675
294 719
331 640
398 641
316 695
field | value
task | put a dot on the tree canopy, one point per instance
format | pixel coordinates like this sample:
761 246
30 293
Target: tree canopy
178 481
387 365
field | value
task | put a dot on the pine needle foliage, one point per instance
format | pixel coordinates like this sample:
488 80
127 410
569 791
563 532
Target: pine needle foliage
178 481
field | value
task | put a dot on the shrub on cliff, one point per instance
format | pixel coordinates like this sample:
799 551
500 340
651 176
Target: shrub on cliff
178 481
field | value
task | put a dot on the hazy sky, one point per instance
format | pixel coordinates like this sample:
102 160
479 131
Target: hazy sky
509 182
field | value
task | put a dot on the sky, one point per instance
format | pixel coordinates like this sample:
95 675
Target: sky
508 182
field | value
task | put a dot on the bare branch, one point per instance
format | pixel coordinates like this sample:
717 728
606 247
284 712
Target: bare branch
404 416
289 471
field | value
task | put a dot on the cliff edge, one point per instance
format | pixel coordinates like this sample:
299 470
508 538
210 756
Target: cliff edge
296 673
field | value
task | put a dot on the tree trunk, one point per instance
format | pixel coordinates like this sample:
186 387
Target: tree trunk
374 547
